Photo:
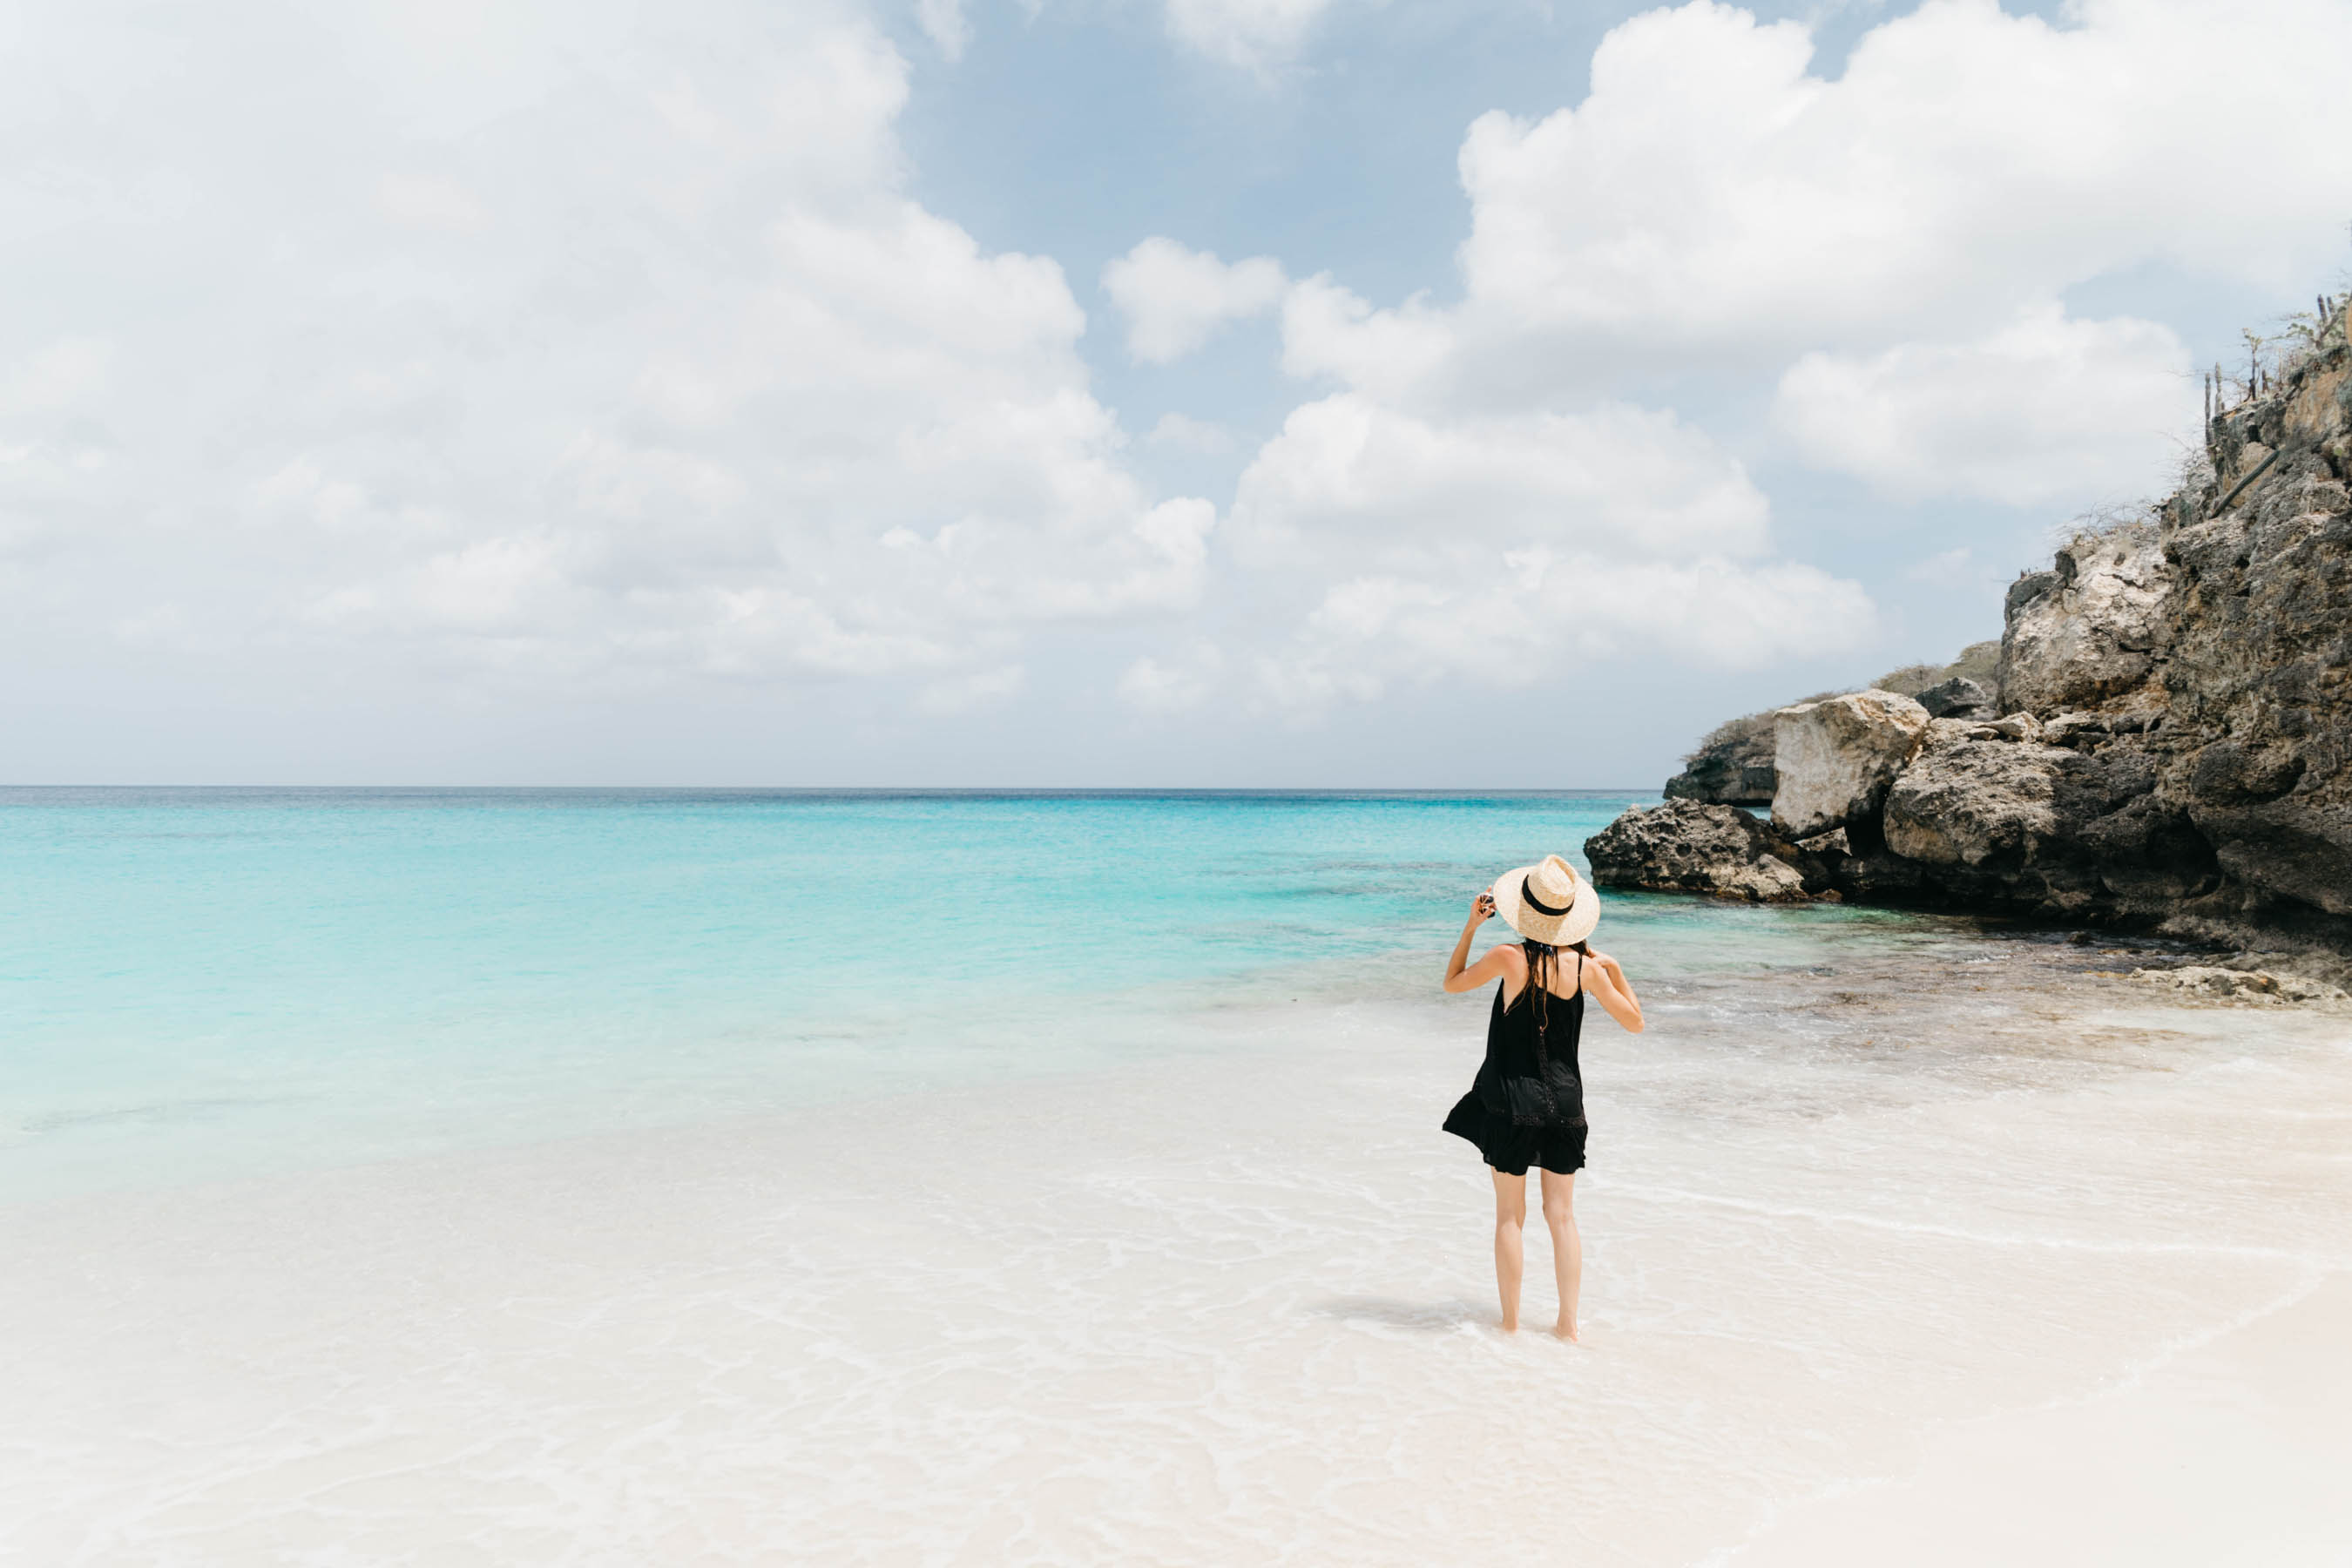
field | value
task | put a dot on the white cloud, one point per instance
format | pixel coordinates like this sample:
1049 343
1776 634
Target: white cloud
969 693
1177 683
1186 434
944 23
1329 332
1555 617
626 362
1449 542
1888 244
1251 34
2044 409
1961 570
1173 297
1350 475
1966 162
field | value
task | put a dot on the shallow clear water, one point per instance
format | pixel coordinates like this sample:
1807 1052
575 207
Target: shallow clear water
608 1189
197 982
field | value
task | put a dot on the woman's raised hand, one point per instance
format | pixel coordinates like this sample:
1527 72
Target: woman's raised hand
1482 907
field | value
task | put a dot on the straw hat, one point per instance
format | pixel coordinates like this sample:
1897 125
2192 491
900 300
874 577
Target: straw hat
1548 902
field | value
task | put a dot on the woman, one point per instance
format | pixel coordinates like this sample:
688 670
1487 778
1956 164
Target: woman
1527 1106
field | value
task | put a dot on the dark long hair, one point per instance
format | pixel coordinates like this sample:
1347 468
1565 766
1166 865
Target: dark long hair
1543 964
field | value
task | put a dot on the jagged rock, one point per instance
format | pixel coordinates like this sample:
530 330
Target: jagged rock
1835 759
1695 847
2047 829
1723 779
2175 749
1733 766
1980 662
2087 632
2259 986
2014 727
2077 730
1959 697
1966 802
2260 698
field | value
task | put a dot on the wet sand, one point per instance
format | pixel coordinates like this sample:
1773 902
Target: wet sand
1874 1233
2234 1451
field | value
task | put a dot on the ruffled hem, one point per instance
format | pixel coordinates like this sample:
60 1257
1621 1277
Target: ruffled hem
1510 1148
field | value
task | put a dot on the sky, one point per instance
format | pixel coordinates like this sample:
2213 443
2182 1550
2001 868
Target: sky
1330 394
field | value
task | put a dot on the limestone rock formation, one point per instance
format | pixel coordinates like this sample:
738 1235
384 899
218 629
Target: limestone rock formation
2087 632
1733 766
2258 986
1835 758
1959 697
1967 802
2173 745
1695 847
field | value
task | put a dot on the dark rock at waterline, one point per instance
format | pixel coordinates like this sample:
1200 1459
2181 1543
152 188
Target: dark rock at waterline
1697 846
2166 742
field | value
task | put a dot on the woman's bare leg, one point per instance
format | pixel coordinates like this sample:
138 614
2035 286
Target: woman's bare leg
1510 1219
1566 1245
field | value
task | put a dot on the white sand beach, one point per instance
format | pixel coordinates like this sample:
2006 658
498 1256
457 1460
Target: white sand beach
1874 1274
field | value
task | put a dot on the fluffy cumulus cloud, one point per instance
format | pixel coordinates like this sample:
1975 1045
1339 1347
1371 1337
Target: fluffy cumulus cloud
1174 297
622 362
1890 245
944 23
1902 230
1251 34
394 336
1966 162
1427 546
2046 409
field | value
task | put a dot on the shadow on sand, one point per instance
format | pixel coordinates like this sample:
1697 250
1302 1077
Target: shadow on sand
1422 1317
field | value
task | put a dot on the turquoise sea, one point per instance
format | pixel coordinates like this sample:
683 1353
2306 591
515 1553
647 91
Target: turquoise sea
199 982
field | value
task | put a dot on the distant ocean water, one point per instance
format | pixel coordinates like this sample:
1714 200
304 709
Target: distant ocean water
586 1177
206 981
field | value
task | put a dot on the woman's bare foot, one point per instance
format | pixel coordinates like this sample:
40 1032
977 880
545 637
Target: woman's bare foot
1510 1325
1566 1331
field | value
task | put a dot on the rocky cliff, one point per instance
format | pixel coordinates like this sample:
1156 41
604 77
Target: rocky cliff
1733 766
2173 745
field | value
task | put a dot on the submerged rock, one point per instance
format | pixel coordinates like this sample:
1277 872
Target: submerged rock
1835 759
2259 986
1697 846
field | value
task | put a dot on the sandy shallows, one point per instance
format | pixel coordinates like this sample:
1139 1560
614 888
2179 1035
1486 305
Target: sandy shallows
1869 1242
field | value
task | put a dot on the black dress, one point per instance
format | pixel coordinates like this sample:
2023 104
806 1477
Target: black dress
1481 1115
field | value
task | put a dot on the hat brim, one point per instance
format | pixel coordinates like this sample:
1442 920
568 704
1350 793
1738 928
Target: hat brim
1554 930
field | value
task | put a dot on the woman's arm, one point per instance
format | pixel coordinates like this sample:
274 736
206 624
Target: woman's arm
1490 967
1610 987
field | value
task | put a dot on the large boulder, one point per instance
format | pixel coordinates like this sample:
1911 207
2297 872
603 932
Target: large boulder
2028 825
1967 802
1695 847
1959 697
2092 630
1836 758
